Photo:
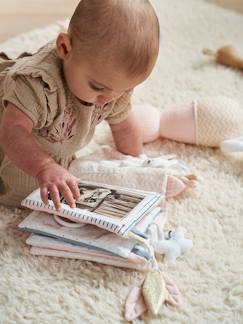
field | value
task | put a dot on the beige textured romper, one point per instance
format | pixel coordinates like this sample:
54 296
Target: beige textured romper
61 123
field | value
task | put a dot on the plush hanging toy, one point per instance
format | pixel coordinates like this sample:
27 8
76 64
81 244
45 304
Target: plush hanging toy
226 55
156 288
173 245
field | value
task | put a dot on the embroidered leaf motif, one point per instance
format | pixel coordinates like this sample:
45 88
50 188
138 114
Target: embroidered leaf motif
98 113
174 296
135 305
154 291
63 131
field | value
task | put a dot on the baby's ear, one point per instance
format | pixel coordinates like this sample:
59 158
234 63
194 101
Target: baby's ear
63 46
232 145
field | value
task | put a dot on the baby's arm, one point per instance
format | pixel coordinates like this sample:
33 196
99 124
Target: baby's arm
127 136
21 148
19 145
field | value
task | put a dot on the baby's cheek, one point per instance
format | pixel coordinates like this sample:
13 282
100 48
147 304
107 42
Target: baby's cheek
85 94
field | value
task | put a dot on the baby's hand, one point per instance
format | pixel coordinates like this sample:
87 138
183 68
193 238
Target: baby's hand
58 181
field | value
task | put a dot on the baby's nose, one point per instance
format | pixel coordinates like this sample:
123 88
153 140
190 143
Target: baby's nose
102 100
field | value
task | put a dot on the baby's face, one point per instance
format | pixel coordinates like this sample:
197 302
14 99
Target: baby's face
95 84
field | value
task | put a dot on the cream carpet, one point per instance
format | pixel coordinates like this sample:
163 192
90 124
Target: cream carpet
49 290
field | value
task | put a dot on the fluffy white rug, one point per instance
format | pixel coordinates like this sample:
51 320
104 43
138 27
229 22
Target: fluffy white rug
48 290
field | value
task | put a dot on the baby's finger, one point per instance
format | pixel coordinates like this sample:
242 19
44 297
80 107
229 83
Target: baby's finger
74 189
44 195
78 180
67 194
55 197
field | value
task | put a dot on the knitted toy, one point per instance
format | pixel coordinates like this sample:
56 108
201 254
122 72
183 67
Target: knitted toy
206 121
226 55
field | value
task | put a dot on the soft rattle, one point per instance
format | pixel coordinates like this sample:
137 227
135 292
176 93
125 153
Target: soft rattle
174 245
226 55
153 291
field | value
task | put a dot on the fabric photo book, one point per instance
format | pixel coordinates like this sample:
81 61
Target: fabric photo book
113 208
102 228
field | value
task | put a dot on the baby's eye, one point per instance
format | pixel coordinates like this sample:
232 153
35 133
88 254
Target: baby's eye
96 88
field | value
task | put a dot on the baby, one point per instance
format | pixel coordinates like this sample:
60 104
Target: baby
50 102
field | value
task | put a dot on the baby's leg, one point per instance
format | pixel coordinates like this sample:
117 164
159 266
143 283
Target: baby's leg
176 124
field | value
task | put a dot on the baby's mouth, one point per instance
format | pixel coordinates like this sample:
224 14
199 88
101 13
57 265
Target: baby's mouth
89 104
86 103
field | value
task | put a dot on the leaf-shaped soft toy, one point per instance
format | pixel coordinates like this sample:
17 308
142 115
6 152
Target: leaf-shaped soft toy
174 296
154 291
135 305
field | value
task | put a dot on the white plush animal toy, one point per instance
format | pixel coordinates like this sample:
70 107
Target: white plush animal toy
174 245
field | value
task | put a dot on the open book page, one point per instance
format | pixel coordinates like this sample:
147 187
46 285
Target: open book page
156 217
113 208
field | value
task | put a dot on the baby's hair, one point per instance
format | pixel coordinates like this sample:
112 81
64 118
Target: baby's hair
124 33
